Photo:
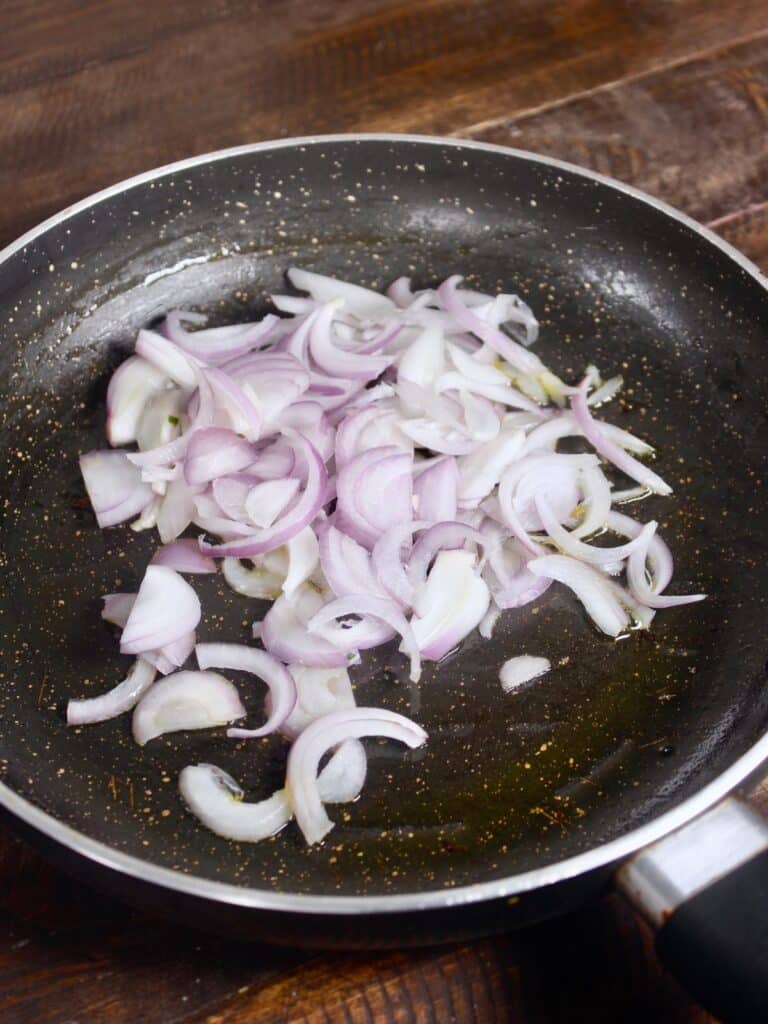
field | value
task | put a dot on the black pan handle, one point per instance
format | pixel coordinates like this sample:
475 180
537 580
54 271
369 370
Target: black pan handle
705 889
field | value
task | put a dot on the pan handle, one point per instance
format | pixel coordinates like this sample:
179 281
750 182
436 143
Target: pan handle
705 889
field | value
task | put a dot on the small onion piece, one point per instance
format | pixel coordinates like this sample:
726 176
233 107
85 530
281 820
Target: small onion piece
368 605
166 608
595 433
121 698
115 488
319 691
239 657
451 603
522 669
183 556
215 798
516 355
590 587
215 452
436 490
295 519
284 631
186 700
324 734
360 485
132 384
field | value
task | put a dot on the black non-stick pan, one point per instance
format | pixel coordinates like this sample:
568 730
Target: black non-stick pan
520 805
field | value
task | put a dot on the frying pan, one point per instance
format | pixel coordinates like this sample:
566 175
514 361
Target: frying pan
520 806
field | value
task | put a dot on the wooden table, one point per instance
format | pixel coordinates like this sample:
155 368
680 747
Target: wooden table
670 96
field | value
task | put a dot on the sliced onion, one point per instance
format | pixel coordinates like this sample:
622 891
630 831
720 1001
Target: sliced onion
597 437
176 511
303 558
522 669
214 797
115 488
117 608
335 361
347 565
271 380
267 500
168 358
637 575
319 737
480 471
163 419
436 490
263 579
387 561
122 698
441 536
343 778
450 604
130 387
360 485
590 587
239 657
372 426
319 691
570 545
216 344
284 631
364 634
309 418
217 800
166 608
516 355
186 700
362 302
299 516
422 362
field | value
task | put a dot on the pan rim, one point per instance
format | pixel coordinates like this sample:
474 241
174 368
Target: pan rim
598 857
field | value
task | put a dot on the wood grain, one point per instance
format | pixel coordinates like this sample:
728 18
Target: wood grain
92 92
693 134
672 97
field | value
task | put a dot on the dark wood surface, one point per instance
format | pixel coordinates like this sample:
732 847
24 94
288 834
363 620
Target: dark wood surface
671 96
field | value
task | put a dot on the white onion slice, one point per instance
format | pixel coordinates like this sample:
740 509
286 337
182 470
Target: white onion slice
522 669
186 700
284 631
319 691
590 587
368 605
362 302
215 798
263 579
267 500
183 556
436 489
166 608
449 605
239 657
422 362
121 698
215 452
595 433
115 488
176 511
168 358
321 736
130 387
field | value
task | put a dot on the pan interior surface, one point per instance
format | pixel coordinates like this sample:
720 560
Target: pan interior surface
617 733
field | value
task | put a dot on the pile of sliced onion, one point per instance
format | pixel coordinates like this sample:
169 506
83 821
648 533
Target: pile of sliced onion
380 467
